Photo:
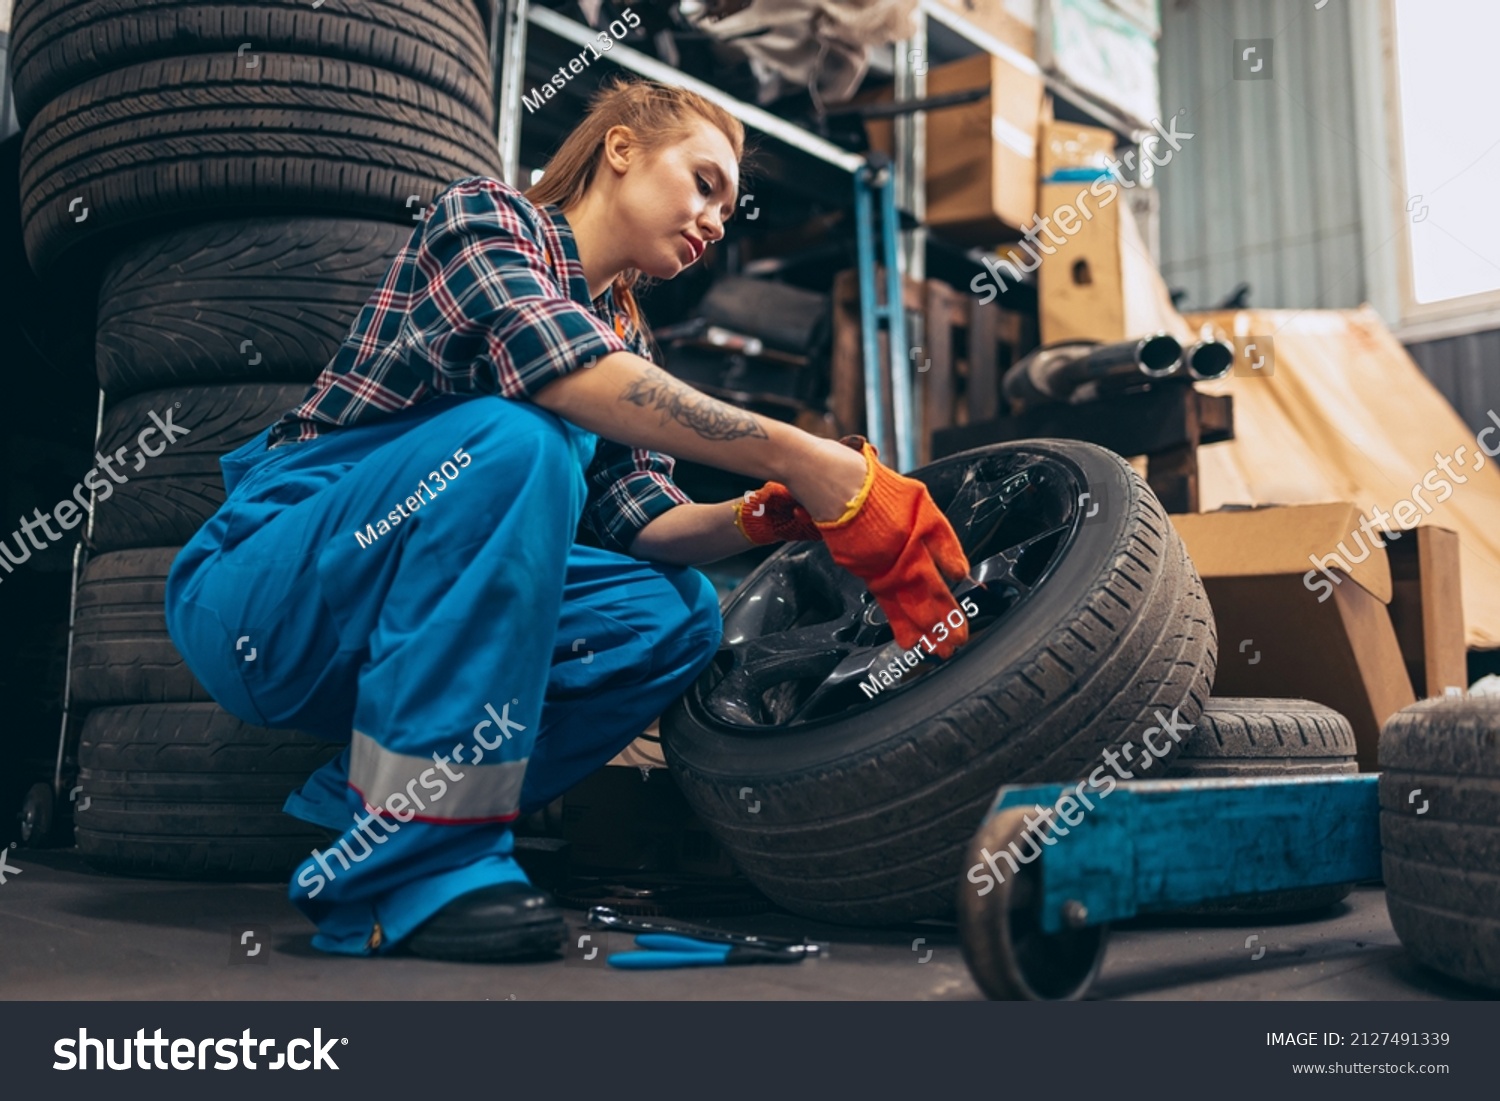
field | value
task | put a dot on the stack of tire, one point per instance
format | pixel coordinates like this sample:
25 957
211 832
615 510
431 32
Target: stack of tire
235 179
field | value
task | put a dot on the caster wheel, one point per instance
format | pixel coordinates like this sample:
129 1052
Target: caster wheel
36 814
1008 954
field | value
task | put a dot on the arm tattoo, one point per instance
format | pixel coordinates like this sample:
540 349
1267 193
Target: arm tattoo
711 419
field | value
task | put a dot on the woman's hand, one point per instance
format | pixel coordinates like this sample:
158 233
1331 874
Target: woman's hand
895 540
827 478
892 536
771 514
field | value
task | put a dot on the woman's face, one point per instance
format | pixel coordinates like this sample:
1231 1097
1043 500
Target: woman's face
672 202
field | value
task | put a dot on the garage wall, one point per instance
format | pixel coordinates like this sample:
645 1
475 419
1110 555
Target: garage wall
1467 370
1271 193
1278 191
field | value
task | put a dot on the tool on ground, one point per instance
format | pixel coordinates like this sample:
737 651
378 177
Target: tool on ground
602 917
662 950
668 896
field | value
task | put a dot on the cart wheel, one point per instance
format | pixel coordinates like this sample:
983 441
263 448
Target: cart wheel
1003 943
36 814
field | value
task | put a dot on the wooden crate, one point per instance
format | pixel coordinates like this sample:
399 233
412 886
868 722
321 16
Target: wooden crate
956 366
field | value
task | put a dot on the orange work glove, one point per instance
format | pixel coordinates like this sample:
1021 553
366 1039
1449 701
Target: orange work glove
896 540
771 514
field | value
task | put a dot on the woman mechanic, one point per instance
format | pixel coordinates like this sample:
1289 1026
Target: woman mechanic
400 548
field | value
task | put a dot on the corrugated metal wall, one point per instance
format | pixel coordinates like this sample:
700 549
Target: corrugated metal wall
1467 370
1266 191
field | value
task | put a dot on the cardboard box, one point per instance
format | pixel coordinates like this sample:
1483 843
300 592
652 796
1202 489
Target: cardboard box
1064 145
981 156
1278 541
1427 608
1081 287
1288 628
1102 53
1100 283
1011 22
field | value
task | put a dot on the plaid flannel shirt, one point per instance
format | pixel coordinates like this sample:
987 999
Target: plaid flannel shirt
489 297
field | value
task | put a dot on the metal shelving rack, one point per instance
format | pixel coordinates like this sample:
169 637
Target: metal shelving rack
933 9
874 180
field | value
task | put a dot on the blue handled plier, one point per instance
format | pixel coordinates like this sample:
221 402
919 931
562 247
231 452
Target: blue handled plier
670 950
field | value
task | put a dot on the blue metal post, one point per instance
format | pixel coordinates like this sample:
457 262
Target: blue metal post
869 312
905 457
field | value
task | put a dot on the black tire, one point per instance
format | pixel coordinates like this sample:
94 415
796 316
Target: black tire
169 498
1267 738
262 300
1254 737
864 819
258 300
165 143
1440 847
186 790
59 44
121 650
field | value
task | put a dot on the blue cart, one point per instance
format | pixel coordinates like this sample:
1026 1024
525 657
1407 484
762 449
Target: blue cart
1041 887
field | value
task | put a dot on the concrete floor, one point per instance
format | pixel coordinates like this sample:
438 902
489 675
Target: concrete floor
68 932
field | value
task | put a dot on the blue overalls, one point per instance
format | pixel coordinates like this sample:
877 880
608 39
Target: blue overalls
412 587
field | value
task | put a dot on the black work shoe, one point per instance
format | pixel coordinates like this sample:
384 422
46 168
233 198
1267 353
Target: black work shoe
509 921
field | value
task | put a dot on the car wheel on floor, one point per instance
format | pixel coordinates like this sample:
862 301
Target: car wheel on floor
36 815
846 805
1440 834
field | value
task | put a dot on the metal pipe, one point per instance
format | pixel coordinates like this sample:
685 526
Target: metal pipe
1052 374
1156 357
1209 359
80 559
